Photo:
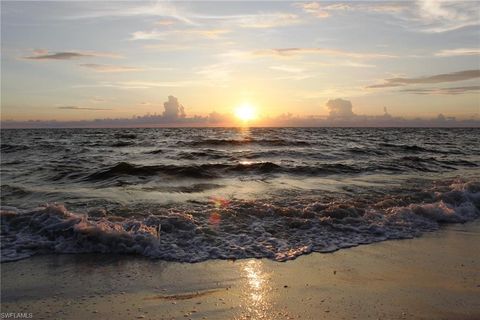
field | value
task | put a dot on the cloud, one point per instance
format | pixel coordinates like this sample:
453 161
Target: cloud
139 84
173 109
41 54
81 108
166 34
288 69
289 52
458 52
217 73
321 11
326 10
442 16
446 91
428 16
98 100
339 108
254 21
341 115
128 9
109 68
153 84
169 46
166 21
439 78
174 13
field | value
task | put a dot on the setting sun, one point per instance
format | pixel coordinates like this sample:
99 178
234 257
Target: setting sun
245 112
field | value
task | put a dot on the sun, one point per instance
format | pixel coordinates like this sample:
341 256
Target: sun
245 112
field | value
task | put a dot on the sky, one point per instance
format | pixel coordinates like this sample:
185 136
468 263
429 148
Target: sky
78 61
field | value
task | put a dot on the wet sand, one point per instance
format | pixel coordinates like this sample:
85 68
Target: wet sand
436 276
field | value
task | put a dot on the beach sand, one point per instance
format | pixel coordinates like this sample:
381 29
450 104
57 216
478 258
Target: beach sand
436 276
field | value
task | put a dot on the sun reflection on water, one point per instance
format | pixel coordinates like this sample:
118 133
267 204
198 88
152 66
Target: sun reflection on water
258 292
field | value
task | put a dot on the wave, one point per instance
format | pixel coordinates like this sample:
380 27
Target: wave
7 148
250 141
122 144
156 151
215 170
126 136
195 155
404 147
221 170
238 229
125 168
412 148
433 164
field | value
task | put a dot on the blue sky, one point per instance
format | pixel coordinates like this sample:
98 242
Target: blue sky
83 60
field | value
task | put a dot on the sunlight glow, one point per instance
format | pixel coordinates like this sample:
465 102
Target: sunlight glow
245 112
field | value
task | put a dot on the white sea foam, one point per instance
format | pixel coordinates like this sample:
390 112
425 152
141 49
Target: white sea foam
278 230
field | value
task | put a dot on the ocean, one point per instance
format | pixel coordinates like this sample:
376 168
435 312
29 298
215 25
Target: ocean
193 194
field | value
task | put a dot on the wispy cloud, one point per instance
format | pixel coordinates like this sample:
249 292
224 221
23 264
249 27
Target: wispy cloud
458 52
442 16
170 14
439 78
167 34
166 22
428 16
155 84
169 46
82 108
441 91
105 68
321 10
261 20
289 52
288 69
132 9
134 84
41 54
217 73
325 10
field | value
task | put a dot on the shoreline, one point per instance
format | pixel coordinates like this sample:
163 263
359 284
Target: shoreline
434 276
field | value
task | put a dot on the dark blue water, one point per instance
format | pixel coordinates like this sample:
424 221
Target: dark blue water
193 194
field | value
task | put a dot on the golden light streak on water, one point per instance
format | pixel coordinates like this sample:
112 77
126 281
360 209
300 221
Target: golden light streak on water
258 291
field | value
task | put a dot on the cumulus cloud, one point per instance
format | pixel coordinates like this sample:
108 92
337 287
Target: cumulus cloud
341 115
339 108
173 109
41 54
438 78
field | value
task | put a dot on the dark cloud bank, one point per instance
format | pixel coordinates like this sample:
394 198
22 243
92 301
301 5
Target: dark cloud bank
341 114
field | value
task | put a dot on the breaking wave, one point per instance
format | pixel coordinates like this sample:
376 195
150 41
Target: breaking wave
278 230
